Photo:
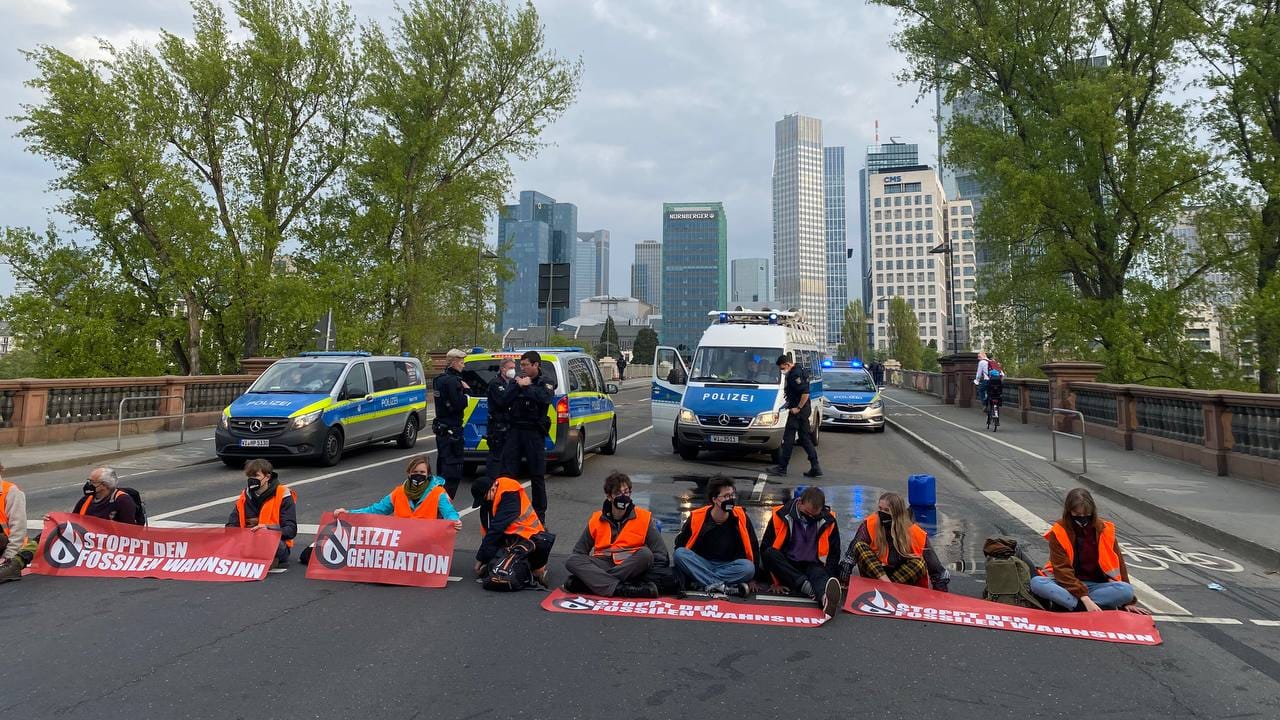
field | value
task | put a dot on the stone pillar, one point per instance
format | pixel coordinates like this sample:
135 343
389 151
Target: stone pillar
1061 374
1217 433
1126 417
256 365
28 412
174 402
959 369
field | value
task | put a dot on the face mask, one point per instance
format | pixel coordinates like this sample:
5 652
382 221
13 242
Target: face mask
88 488
1082 522
510 374
253 483
417 480
885 518
727 505
622 502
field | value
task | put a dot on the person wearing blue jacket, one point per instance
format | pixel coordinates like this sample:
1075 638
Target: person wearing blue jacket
416 497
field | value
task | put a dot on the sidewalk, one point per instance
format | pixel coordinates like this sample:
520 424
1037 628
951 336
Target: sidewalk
196 448
1227 512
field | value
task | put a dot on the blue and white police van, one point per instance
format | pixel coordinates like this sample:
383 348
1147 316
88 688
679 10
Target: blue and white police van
730 396
850 397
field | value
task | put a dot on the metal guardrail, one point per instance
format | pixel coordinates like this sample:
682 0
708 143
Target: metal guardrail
1084 458
182 430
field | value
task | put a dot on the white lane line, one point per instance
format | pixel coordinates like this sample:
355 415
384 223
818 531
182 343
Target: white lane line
208 438
759 488
1197 620
984 435
1153 599
292 483
1266 623
637 433
144 472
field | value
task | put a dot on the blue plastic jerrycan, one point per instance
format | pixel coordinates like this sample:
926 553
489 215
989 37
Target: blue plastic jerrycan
922 490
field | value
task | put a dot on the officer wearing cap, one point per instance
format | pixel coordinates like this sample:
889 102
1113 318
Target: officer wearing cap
450 394
529 426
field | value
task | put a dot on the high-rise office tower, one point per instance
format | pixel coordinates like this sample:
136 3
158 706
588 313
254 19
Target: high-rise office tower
600 239
878 157
535 230
799 220
646 273
695 247
751 283
584 272
837 244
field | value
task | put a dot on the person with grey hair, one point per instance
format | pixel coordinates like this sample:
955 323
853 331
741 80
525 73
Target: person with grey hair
104 499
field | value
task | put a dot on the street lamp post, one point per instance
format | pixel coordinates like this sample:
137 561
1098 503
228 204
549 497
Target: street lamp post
482 253
946 249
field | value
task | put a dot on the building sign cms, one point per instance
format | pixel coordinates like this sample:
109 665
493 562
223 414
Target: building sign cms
691 216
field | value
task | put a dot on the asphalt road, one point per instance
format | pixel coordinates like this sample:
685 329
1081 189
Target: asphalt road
289 647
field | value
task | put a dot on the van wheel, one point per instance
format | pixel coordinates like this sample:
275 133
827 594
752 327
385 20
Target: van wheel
409 436
573 468
816 428
688 452
332 452
611 446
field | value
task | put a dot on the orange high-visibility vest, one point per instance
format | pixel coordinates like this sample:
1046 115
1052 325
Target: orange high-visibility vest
527 524
269 514
918 539
782 524
698 518
630 536
5 487
87 500
1108 560
428 509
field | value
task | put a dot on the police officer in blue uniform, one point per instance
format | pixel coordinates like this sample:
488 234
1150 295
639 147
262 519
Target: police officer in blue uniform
501 393
799 413
450 394
529 427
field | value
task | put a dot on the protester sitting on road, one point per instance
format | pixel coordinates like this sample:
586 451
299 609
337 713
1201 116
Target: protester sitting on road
507 518
16 550
421 495
889 545
801 547
104 499
619 549
1086 567
267 505
716 549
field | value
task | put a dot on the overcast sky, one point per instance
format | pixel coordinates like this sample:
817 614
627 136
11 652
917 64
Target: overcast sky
678 103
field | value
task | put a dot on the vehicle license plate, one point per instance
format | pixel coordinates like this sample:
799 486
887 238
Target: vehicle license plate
255 443
730 439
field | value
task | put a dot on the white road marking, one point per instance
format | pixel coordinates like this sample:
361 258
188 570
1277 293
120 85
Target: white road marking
1197 620
759 488
979 433
144 472
1266 623
637 433
1154 600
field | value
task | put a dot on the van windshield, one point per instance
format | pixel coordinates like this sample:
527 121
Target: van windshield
299 377
858 381
477 374
746 365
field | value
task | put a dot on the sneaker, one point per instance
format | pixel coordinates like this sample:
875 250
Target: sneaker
716 589
636 590
573 585
776 470
814 471
278 567
831 598
741 590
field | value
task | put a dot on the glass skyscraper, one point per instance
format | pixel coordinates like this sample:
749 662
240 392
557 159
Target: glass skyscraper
695 248
584 272
535 230
646 274
837 242
600 239
750 282
799 220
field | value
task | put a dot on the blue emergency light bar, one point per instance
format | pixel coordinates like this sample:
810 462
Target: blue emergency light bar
855 364
334 353
548 349
828 363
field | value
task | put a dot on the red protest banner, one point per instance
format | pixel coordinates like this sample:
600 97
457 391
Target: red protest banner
83 546
687 609
383 549
876 598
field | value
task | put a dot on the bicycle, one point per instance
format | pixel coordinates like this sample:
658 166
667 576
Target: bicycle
993 414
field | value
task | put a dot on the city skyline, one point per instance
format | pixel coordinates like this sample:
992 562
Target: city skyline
800 220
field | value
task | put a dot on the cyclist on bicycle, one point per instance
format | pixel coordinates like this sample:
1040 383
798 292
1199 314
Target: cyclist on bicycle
980 378
995 387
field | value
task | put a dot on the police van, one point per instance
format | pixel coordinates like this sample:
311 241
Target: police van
581 415
730 396
319 404
850 397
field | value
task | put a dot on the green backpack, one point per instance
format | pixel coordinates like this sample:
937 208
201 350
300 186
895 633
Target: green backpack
1009 582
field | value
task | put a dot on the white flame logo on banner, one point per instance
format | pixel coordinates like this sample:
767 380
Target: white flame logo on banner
877 604
66 546
332 544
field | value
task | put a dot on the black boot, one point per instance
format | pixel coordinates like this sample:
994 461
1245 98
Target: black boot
636 590
573 585
813 472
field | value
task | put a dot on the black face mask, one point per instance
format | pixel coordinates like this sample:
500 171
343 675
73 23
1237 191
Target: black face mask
728 505
417 480
885 518
622 502
88 488
1082 522
254 483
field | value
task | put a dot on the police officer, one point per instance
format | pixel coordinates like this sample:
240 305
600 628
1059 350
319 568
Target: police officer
450 394
529 426
799 414
502 392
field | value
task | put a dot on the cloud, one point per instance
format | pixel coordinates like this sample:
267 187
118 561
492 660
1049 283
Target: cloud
51 13
94 47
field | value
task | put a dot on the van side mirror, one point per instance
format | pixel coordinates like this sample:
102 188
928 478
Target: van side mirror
611 388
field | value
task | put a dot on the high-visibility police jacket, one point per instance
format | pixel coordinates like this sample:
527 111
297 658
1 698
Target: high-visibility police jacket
5 487
428 509
919 538
698 520
269 513
1108 559
781 525
630 537
526 524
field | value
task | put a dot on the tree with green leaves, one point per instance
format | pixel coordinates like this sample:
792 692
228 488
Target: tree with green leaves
929 357
904 334
644 347
609 343
1085 159
1239 42
853 333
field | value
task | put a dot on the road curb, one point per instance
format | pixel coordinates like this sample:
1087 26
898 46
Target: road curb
98 459
1260 554
938 453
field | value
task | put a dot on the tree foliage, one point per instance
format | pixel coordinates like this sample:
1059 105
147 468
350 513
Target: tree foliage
644 347
609 343
853 333
904 334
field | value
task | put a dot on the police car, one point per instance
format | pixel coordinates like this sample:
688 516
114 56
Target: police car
731 396
319 404
581 413
850 397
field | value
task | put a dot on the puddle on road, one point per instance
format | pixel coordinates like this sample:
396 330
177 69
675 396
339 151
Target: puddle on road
672 497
